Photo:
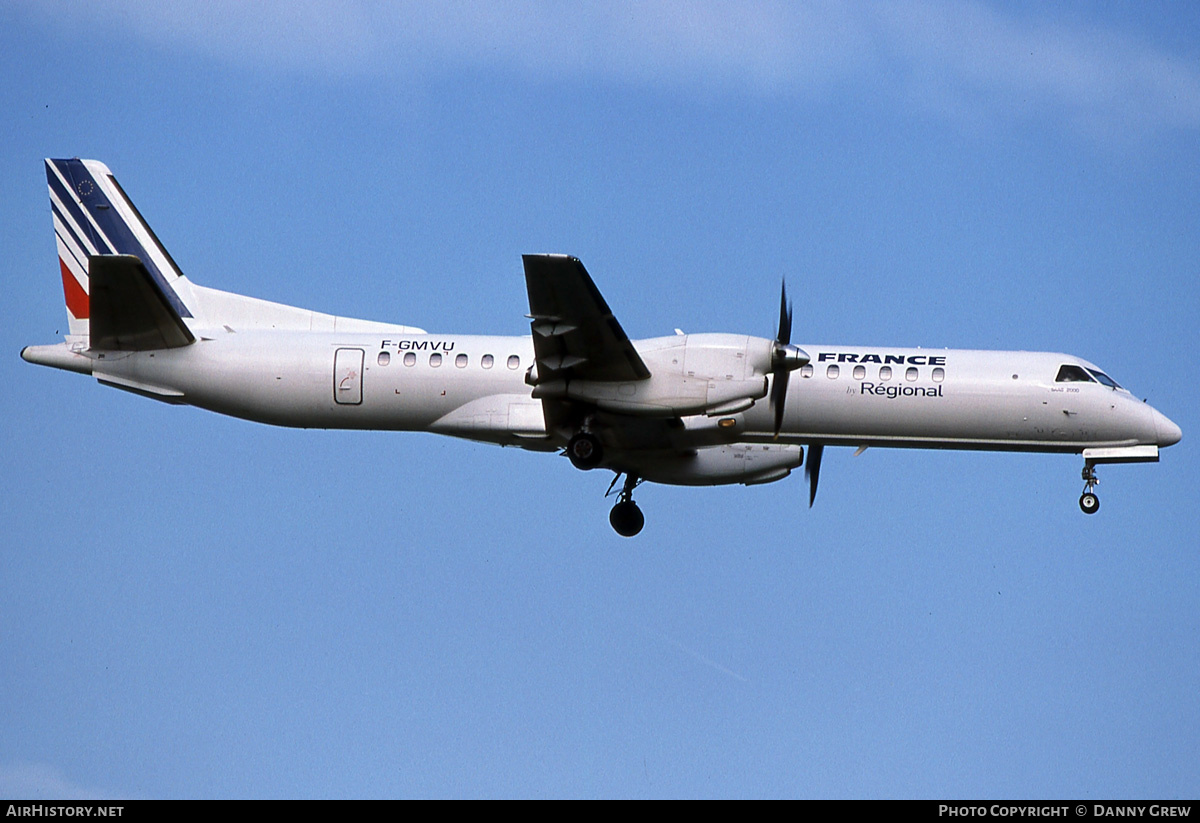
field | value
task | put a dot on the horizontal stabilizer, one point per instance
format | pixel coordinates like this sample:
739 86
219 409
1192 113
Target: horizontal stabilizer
129 311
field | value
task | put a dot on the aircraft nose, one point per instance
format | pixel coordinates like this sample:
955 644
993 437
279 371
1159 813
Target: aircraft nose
1168 433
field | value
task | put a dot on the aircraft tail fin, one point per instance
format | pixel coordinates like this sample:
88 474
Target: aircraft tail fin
94 220
122 288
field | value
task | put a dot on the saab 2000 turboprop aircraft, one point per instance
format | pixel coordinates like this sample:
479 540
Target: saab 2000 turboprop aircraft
690 409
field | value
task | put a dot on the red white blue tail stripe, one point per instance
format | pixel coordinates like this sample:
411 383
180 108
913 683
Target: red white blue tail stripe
93 215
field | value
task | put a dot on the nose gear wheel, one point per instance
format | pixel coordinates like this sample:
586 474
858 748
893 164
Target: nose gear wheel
1089 502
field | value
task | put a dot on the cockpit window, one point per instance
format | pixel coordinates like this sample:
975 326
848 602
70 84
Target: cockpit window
1104 378
1073 374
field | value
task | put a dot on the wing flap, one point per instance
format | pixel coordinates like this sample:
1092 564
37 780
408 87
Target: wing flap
129 311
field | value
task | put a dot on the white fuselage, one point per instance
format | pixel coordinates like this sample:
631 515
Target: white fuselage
475 387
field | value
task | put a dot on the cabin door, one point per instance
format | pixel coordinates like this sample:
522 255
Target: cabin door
347 376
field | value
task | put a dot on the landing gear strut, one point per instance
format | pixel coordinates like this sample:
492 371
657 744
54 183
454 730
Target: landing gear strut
1088 501
585 450
626 518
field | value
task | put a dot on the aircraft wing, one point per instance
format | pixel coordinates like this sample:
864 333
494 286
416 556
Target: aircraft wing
575 335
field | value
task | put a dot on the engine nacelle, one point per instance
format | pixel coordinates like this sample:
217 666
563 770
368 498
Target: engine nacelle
716 374
744 463
669 395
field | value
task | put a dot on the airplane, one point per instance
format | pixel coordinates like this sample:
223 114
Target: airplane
686 409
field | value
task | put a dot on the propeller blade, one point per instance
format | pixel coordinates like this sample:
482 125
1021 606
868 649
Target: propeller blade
785 316
779 396
780 367
812 470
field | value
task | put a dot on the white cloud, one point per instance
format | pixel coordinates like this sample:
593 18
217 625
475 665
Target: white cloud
963 58
37 781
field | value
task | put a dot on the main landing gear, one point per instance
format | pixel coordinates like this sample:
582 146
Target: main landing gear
1088 501
585 451
626 518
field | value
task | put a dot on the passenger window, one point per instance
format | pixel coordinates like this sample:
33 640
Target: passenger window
410 359
435 360
860 372
832 372
461 361
939 374
910 374
806 370
384 358
514 361
486 361
885 372
1072 374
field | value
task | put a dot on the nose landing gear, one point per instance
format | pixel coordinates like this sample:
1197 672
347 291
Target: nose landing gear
1089 502
626 518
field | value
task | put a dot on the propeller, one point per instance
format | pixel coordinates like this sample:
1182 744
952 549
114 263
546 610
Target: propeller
785 358
812 470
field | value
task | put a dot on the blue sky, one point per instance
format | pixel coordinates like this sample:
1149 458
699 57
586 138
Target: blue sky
195 606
